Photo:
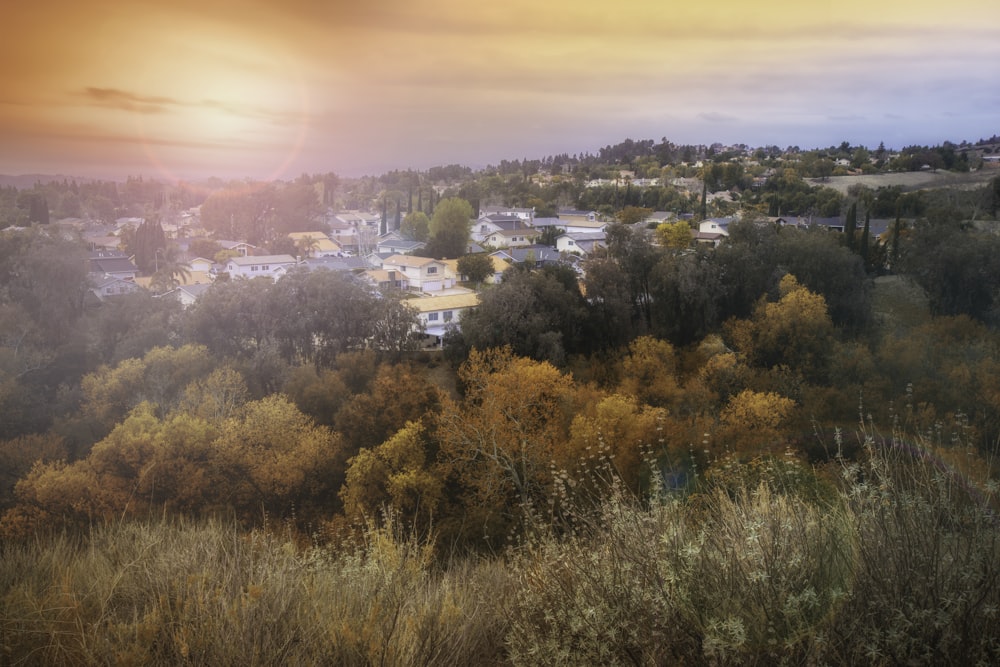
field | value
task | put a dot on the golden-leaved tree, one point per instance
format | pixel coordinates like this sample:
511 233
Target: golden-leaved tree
611 438
501 440
752 421
274 461
146 464
266 460
649 371
397 476
796 331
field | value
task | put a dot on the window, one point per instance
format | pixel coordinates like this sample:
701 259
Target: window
253 267
432 270
447 316
432 317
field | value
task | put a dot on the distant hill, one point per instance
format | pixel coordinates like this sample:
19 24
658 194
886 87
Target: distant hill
27 181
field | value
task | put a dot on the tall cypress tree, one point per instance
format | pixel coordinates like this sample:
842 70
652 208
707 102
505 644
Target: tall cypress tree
864 238
897 228
851 226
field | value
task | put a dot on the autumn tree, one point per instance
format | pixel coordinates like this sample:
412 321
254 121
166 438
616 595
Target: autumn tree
397 395
610 439
751 422
796 331
274 459
159 378
649 372
500 440
674 235
144 465
397 476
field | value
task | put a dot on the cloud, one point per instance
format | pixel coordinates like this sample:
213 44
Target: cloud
122 99
717 117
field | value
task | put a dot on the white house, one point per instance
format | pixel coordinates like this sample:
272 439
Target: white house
437 312
511 238
316 244
581 243
255 266
423 273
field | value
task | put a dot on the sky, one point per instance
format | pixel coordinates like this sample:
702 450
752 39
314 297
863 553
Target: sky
270 89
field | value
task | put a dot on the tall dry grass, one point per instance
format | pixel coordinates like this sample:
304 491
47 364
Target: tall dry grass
207 594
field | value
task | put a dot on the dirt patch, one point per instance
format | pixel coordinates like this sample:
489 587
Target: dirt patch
910 180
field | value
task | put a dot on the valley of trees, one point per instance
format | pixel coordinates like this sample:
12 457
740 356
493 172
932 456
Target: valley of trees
780 449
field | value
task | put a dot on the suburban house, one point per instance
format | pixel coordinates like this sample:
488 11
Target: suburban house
490 224
315 244
346 264
835 224
105 286
424 274
511 238
355 231
189 294
242 247
397 246
201 264
570 215
437 312
659 217
581 243
499 266
112 263
536 255
387 279
526 214
272 266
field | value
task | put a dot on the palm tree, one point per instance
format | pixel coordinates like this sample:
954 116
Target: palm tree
170 270
307 245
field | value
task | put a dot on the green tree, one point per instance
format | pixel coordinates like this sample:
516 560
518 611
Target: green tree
633 214
851 226
476 268
417 226
450 228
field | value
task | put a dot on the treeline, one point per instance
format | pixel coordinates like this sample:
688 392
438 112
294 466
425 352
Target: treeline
301 396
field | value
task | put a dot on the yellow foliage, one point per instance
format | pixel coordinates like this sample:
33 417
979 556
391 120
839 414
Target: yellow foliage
675 235
501 439
395 475
752 420
795 331
618 427
649 371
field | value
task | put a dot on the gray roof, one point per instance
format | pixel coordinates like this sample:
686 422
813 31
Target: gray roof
541 253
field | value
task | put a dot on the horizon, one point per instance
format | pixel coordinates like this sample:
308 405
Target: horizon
242 90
